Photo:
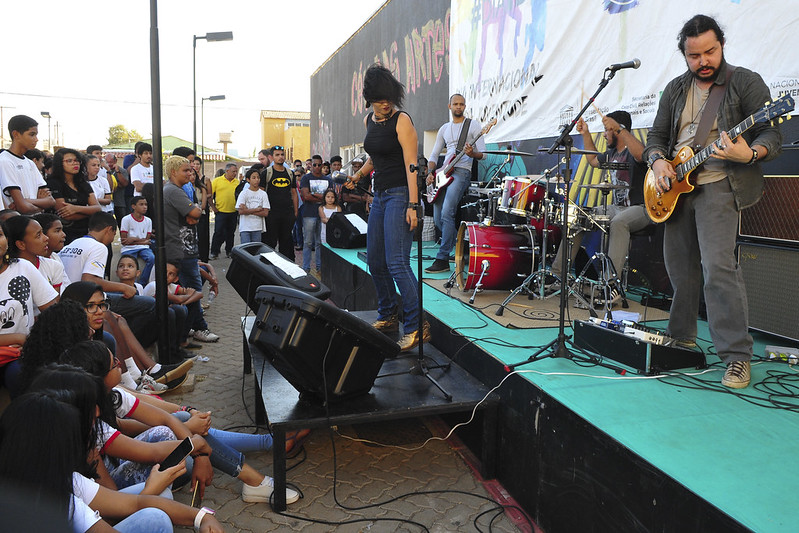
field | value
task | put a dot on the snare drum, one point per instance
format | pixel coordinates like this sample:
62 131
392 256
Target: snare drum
522 195
509 251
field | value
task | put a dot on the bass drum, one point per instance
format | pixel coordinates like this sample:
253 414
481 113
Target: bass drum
509 250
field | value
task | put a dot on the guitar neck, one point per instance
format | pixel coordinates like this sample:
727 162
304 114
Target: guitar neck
703 155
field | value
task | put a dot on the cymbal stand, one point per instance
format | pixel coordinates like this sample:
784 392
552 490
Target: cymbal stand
499 169
557 347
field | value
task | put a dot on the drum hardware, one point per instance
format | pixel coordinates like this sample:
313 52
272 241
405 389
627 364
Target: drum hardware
479 285
614 165
508 153
608 275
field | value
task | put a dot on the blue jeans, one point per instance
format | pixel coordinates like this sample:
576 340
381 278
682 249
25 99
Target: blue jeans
149 520
224 231
388 249
249 236
242 442
148 257
189 276
445 209
312 235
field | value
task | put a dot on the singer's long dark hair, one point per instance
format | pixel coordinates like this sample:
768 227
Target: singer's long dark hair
380 84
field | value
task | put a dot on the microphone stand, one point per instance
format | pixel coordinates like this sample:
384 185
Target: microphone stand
421 368
558 345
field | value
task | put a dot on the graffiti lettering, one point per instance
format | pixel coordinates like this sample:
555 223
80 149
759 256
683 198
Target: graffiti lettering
426 59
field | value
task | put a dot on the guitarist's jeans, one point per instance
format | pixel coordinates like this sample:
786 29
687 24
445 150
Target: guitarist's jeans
445 209
388 253
699 240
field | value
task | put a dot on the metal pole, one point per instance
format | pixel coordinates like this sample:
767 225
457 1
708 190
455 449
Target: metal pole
161 304
194 88
202 131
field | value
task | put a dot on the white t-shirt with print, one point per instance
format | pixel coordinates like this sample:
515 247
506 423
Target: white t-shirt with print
101 187
20 173
252 200
142 174
135 229
84 256
22 290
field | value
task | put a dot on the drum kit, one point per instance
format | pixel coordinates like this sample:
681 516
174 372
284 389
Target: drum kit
514 256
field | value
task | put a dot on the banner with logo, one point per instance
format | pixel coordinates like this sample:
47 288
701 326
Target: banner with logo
534 63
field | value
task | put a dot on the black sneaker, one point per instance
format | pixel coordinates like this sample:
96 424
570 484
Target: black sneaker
438 266
172 372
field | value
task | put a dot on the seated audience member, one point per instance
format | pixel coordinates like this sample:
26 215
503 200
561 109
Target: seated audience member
179 297
23 291
128 272
27 241
123 341
84 260
95 358
38 423
136 233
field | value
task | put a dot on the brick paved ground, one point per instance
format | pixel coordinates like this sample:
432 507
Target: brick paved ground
366 474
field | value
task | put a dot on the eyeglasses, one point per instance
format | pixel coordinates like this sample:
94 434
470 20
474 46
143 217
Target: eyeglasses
94 307
277 148
316 164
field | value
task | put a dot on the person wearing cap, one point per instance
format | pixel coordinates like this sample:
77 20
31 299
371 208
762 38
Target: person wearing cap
356 201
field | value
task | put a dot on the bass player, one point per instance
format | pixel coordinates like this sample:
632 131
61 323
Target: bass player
454 135
699 238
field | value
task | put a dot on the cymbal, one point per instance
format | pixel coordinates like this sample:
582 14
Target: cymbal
606 186
507 152
575 151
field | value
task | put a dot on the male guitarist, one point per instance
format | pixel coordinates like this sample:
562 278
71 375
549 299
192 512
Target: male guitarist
455 135
700 235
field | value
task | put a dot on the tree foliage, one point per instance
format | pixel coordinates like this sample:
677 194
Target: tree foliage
119 134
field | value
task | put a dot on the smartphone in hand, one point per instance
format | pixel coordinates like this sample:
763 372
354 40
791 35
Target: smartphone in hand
178 454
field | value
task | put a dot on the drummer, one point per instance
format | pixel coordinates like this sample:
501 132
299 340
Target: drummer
456 136
626 213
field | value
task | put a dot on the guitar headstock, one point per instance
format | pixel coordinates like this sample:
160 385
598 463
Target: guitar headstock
488 126
784 104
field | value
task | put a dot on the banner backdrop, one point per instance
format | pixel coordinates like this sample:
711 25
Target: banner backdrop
534 63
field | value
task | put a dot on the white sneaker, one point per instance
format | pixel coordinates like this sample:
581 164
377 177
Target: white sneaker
263 492
148 385
205 335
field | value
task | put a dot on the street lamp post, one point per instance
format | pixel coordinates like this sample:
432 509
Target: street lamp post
210 37
46 114
202 123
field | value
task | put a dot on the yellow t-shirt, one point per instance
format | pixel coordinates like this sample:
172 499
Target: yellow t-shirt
225 194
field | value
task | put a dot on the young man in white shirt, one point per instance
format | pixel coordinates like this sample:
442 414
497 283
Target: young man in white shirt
142 174
23 186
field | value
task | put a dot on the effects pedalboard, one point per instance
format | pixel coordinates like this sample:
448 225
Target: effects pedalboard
635 345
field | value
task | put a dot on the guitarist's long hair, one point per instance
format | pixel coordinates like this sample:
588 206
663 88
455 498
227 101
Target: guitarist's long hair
695 27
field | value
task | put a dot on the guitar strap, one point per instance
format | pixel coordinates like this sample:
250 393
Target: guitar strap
709 113
464 132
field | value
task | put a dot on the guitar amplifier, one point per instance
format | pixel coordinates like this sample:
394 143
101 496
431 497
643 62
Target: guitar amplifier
646 357
776 216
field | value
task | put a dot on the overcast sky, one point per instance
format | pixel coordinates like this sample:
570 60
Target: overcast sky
88 63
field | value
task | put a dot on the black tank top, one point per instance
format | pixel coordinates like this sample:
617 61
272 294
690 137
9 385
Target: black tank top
383 146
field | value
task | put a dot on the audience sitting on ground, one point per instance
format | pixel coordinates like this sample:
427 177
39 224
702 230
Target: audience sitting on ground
27 240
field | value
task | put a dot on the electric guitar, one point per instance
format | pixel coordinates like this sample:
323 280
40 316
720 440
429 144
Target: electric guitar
443 176
660 206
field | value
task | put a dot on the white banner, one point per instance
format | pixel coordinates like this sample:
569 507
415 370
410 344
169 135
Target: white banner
534 63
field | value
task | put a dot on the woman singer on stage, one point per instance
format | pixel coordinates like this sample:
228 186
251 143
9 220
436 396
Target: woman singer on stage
392 144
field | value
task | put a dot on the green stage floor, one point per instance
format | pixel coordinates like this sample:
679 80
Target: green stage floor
732 448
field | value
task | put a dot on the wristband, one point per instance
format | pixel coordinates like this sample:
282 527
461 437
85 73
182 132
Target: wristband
754 157
200 455
198 518
412 205
187 408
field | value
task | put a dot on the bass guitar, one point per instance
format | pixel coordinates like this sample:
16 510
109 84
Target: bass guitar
443 176
660 206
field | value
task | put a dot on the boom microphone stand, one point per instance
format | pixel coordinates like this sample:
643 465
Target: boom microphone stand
557 347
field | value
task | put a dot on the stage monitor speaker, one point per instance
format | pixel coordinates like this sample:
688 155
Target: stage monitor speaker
323 351
255 264
776 216
771 275
346 230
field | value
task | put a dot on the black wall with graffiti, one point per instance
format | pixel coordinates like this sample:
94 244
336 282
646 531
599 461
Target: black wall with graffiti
411 38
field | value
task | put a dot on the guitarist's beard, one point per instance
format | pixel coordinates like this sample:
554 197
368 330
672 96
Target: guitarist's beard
714 72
